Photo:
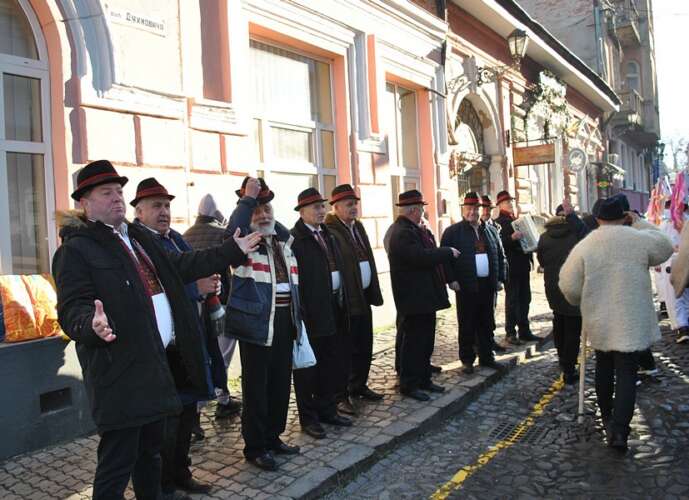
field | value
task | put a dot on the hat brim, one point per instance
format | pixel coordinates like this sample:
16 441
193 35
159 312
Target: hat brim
137 200
335 199
299 207
78 193
409 204
262 200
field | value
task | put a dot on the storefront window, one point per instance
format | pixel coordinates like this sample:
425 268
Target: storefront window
294 130
25 237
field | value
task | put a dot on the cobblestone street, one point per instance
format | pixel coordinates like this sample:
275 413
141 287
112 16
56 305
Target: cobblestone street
66 471
555 457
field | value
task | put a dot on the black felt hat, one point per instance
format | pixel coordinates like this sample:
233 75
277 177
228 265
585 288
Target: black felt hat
343 192
486 201
413 197
611 209
471 199
94 174
308 197
148 188
504 196
265 195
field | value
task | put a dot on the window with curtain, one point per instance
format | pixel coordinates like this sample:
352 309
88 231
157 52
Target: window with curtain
294 128
403 138
24 230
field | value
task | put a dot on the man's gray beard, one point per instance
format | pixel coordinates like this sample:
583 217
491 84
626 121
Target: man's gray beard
264 230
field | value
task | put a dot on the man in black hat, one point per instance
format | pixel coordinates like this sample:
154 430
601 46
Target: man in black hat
120 297
492 230
518 286
474 276
264 314
606 275
360 279
419 289
324 304
152 206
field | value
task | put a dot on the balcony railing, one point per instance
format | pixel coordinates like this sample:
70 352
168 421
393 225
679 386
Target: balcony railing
631 110
627 23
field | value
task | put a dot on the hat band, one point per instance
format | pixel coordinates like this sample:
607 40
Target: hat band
411 201
152 191
471 201
96 178
504 198
310 199
261 194
344 194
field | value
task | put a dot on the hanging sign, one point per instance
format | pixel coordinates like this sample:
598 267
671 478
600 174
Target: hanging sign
577 160
534 155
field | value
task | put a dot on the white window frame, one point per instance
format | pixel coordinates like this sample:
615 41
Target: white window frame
400 173
635 74
267 163
38 69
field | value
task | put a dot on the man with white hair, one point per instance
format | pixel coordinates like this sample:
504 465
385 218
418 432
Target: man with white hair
360 278
264 314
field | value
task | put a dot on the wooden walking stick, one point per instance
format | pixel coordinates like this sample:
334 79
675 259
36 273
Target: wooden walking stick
582 377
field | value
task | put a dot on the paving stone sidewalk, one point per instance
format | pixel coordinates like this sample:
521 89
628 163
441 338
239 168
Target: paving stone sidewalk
66 471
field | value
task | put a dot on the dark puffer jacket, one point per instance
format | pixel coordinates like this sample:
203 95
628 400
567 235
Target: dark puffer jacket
561 235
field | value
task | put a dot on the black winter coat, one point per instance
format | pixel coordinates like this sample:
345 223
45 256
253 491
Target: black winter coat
463 269
416 286
519 263
554 245
315 279
128 381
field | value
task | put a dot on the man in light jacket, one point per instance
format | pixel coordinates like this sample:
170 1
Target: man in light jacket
606 275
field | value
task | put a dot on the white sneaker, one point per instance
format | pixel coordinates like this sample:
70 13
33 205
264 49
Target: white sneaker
647 372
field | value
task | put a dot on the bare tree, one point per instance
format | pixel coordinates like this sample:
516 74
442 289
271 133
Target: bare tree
679 151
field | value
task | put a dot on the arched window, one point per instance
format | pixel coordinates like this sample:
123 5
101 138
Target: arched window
26 193
632 76
471 168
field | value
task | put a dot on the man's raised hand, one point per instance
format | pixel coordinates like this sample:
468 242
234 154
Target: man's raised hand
252 188
248 243
100 323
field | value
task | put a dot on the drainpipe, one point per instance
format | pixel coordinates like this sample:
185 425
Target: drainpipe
599 40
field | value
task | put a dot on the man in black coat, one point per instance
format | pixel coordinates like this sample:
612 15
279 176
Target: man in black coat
323 300
419 289
121 299
474 276
518 286
562 233
360 279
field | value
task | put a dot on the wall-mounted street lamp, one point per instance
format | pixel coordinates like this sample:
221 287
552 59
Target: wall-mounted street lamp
517 41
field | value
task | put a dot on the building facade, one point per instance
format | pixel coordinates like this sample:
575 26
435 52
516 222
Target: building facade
616 39
388 95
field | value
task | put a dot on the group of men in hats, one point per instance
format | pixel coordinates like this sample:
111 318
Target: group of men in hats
141 306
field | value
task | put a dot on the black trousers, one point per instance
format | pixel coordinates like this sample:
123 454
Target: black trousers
517 301
567 337
315 387
398 342
266 381
355 351
475 319
175 451
416 348
646 360
135 452
616 376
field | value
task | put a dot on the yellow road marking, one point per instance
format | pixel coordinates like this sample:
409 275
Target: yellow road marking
465 472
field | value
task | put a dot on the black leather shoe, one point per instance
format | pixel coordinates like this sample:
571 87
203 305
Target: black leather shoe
369 395
191 485
529 337
618 442
436 369
231 408
431 387
417 394
468 369
265 462
337 420
282 448
512 339
316 431
347 407
492 364
499 347
570 378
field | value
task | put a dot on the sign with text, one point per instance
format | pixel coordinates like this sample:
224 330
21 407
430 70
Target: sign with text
144 22
534 155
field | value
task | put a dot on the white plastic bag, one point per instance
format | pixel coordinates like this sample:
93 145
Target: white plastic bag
302 354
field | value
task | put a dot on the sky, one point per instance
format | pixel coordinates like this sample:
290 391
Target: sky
671 25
